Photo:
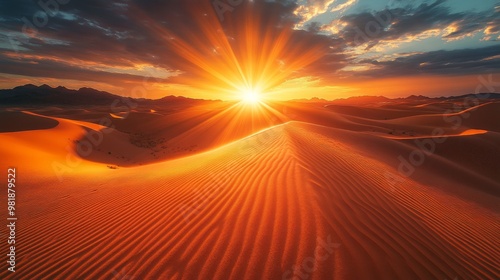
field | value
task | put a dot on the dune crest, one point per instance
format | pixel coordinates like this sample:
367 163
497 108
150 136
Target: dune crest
293 191
287 191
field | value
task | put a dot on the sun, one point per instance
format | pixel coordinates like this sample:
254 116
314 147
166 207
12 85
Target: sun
251 96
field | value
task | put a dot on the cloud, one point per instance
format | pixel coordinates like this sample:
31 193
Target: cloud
116 42
314 8
453 62
343 6
36 66
96 40
408 23
492 31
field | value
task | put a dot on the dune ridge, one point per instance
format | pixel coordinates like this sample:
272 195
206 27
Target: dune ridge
294 189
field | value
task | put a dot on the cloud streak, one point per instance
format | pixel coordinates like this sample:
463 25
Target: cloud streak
122 43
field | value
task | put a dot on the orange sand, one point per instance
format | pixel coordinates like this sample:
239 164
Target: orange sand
298 192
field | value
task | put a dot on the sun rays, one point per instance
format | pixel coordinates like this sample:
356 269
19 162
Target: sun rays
235 58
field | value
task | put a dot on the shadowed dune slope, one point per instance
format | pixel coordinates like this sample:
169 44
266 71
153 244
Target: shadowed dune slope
23 121
479 117
377 113
288 201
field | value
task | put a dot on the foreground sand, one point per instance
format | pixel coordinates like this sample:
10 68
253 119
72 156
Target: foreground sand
299 200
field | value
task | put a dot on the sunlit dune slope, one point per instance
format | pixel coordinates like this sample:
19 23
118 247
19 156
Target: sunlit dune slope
136 138
193 130
477 117
457 149
66 145
154 137
38 148
447 168
172 132
290 200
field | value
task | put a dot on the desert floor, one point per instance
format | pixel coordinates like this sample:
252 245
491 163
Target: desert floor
283 190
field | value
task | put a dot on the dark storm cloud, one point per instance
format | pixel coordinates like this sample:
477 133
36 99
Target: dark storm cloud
52 69
120 34
89 30
111 32
464 61
370 28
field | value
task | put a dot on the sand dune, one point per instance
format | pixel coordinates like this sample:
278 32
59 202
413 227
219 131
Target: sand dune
467 132
477 117
378 112
201 218
70 146
117 116
23 122
319 198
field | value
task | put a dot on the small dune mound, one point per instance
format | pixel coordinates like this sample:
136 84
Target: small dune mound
22 121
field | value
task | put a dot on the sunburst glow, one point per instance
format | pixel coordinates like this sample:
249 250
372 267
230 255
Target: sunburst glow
241 50
251 96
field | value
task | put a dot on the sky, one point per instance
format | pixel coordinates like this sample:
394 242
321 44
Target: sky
282 49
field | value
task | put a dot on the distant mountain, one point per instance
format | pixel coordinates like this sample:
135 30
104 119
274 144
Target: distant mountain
171 99
312 100
31 95
489 95
359 100
45 95
415 98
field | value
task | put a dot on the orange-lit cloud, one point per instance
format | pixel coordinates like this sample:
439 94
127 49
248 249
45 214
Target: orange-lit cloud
183 48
